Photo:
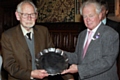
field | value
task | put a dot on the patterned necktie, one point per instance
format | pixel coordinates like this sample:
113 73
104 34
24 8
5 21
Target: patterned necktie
28 34
87 43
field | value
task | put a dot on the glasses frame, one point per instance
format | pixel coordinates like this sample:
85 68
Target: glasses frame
26 15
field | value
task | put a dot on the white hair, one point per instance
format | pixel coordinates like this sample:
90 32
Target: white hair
19 6
89 2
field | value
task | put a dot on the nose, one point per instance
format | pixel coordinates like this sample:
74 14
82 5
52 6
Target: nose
29 16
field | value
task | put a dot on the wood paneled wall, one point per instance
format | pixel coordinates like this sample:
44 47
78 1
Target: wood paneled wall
64 35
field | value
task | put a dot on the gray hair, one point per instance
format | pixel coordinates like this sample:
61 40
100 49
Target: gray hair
88 2
19 6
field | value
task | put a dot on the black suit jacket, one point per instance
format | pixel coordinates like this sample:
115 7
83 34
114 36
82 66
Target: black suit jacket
113 24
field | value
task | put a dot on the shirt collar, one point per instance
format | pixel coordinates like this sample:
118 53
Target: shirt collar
25 31
104 21
95 29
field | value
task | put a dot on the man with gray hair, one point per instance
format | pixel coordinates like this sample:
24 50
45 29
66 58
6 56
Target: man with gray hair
97 47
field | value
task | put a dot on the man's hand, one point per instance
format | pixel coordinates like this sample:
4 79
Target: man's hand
40 74
72 69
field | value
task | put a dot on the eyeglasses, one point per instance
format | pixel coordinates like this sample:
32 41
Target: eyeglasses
26 15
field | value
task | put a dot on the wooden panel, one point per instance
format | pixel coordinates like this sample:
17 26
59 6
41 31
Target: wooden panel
64 35
65 40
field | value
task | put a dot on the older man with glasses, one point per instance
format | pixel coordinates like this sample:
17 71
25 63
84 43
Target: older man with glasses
22 43
18 51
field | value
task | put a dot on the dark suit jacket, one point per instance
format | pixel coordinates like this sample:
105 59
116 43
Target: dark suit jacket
115 25
99 62
15 52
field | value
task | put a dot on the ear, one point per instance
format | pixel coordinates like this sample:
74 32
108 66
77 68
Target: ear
36 15
100 16
17 15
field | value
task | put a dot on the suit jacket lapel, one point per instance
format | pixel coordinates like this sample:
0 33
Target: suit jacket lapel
98 32
36 41
21 40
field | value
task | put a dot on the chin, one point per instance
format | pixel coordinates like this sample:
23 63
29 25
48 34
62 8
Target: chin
29 26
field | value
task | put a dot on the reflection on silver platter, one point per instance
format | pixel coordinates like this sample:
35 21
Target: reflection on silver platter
54 61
